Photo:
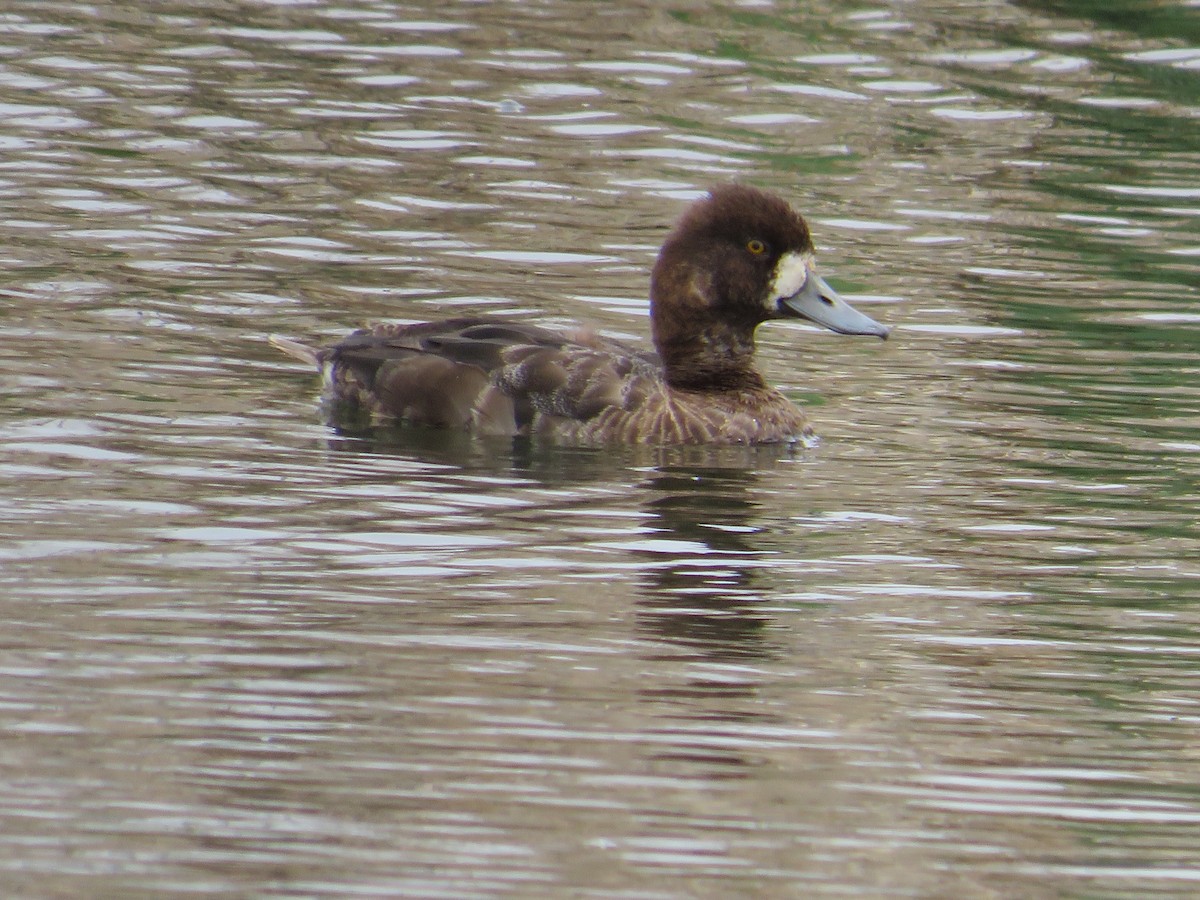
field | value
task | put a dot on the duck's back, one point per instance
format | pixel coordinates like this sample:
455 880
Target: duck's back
504 378
490 375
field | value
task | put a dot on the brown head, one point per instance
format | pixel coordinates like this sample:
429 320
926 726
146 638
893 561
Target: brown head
735 259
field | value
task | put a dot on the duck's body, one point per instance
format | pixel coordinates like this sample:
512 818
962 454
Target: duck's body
736 259
504 378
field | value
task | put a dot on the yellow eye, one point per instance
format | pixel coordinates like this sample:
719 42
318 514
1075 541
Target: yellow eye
755 246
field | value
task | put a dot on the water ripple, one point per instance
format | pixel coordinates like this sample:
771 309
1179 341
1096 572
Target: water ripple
950 646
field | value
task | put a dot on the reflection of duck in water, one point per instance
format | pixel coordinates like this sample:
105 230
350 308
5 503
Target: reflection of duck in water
736 259
700 592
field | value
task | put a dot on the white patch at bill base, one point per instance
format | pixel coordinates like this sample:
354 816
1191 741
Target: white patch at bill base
791 273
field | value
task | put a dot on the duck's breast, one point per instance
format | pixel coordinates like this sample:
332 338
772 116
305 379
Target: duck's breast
651 412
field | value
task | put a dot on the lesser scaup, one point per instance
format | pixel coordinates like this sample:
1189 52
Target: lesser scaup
736 258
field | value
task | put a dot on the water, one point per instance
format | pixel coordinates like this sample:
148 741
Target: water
948 652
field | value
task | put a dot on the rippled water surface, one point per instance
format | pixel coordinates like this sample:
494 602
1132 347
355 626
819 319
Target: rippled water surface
952 651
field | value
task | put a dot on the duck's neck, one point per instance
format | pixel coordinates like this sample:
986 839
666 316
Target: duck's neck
710 357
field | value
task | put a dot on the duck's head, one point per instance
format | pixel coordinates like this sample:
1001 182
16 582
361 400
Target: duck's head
735 259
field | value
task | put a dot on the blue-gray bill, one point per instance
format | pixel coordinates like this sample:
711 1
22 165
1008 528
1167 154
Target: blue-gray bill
820 303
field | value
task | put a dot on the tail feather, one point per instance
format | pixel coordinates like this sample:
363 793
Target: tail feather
302 352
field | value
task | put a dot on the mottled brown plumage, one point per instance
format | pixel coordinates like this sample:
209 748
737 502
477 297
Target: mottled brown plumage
734 260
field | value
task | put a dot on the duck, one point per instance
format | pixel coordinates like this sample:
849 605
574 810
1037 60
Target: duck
736 258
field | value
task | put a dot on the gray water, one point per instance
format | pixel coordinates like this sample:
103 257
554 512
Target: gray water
949 652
